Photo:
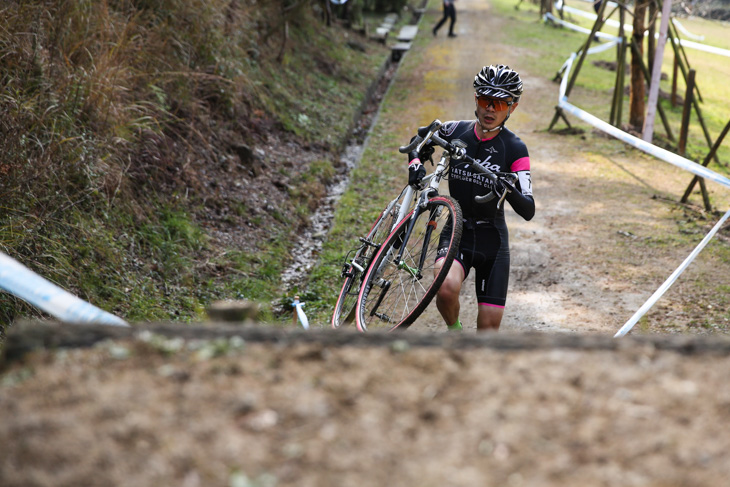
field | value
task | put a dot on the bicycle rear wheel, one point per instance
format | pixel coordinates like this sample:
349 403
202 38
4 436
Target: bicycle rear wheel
395 291
353 270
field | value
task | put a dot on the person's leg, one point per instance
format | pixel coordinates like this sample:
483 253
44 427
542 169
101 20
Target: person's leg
489 317
441 22
492 277
452 14
447 299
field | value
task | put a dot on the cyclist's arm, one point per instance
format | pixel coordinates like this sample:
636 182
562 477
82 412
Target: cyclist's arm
521 200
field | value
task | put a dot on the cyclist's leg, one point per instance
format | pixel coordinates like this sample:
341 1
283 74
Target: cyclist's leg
492 280
447 299
489 317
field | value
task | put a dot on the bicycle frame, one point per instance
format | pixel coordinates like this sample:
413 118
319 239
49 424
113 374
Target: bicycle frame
405 198
433 180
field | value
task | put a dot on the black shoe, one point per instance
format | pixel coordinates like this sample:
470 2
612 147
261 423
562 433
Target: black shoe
452 34
434 32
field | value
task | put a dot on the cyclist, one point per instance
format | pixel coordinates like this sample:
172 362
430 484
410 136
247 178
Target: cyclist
485 242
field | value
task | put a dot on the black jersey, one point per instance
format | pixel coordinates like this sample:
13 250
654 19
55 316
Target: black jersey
505 152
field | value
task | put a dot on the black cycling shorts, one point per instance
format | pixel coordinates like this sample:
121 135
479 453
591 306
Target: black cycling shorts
485 247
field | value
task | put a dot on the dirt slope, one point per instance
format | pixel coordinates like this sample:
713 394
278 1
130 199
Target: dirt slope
156 410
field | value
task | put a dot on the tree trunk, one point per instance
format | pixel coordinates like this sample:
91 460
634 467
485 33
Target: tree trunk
546 6
638 86
651 33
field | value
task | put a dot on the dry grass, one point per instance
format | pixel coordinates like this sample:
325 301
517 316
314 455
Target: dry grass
118 117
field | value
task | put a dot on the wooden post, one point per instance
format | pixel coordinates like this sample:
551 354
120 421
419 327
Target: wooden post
682 148
681 55
674 81
705 195
650 35
584 51
618 93
294 316
645 70
706 162
637 105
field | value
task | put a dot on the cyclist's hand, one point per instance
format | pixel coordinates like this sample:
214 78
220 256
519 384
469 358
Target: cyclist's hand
502 185
416 172
426 153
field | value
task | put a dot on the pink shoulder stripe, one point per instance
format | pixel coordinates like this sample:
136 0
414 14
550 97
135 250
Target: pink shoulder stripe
522 164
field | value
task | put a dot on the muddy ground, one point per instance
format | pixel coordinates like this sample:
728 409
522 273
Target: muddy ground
562 405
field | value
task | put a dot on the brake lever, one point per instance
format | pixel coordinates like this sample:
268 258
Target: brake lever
501 198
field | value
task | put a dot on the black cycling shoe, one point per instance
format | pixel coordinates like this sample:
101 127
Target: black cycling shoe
452 35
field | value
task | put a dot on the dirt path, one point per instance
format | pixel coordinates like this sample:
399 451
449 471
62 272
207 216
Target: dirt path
543 288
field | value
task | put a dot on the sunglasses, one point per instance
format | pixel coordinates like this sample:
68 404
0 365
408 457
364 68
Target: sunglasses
498 105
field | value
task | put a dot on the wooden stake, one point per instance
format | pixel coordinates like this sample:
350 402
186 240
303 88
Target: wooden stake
706 162
682 148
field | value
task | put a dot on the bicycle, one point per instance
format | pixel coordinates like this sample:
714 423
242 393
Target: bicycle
354 267
405 262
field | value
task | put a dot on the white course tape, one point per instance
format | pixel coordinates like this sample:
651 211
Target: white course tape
300 313
684 31
20 281
659 153
577 28
670 280
630 28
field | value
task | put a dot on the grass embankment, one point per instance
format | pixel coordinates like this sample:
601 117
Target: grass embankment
129 171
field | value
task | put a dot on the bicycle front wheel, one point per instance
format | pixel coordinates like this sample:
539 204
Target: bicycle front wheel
404 277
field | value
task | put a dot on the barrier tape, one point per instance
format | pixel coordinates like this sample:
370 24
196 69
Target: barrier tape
670 280
659 153
630 28
298 305
20 281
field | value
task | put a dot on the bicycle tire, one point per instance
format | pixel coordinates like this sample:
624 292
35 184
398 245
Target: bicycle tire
347 298
393 295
